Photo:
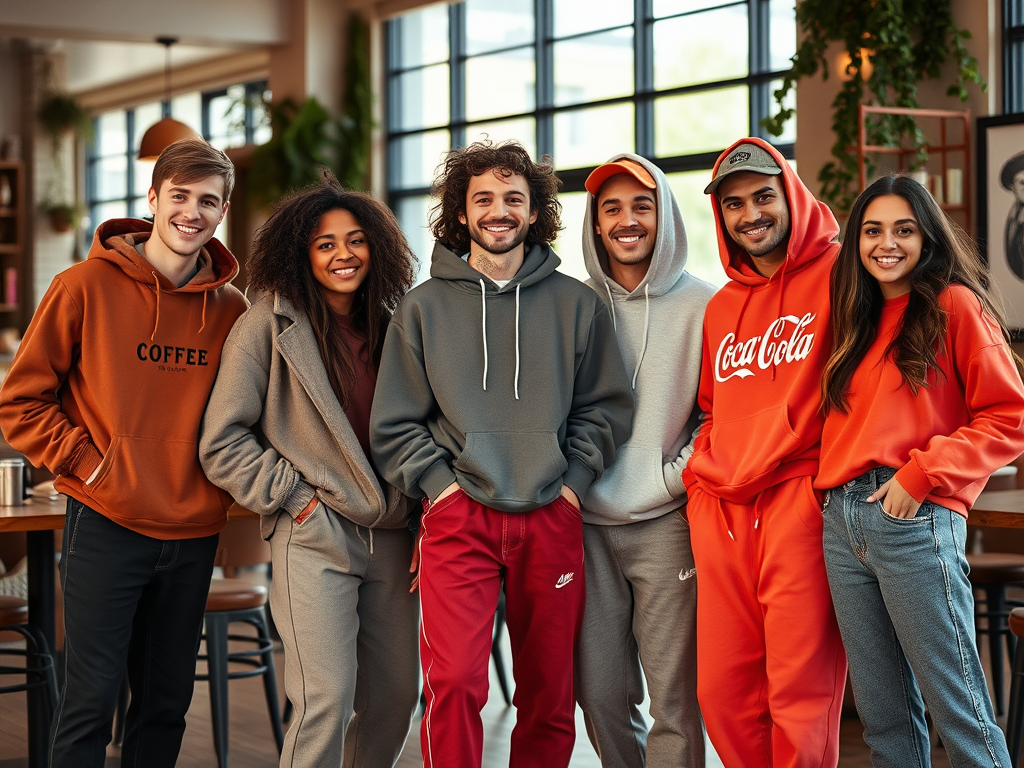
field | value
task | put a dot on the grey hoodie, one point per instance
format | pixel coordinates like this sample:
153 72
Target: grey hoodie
513 392
659 327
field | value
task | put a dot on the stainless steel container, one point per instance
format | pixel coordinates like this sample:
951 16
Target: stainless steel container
12 482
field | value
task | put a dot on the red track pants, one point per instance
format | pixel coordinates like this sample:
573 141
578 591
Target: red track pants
465 551
771 665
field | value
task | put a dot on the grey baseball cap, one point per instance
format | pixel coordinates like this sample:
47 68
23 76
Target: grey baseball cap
744 157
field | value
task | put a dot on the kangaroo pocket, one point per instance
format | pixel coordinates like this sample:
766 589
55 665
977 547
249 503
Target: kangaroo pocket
745 451
635 483
157 480
516 467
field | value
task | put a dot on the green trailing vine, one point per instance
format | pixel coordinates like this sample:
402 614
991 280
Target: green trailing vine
906 42
306 136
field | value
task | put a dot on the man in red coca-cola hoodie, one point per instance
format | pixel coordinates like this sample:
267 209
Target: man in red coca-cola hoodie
771 666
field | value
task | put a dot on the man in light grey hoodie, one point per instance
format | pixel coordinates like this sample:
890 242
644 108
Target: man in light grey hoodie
641 582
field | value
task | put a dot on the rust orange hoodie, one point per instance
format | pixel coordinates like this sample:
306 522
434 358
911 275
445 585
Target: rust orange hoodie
766 342
114 372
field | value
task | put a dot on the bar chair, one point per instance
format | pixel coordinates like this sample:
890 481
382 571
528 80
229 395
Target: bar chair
39 670
1000 565
234 600
1015 714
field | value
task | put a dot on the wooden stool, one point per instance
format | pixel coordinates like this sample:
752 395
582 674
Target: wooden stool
992 573
237 600
39 670
1015 716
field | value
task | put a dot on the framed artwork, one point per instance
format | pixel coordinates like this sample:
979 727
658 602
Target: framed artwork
1001 210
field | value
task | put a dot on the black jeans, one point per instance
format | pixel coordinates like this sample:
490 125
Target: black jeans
130 602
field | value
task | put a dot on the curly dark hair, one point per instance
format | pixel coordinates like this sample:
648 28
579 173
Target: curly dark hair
509 157
948 256
279 263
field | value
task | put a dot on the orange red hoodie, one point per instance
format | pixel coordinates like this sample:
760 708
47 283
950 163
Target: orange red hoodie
114 372
766 341
946 440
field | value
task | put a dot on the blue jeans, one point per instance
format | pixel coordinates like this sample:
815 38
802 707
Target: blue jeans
132 603
906 614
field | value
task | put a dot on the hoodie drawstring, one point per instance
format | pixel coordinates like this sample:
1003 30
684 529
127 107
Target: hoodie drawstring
203 323
647 325
611 303
156 319
483 325
516 382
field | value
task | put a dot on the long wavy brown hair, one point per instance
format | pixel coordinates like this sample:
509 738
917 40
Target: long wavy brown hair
948 256
279 262
506 158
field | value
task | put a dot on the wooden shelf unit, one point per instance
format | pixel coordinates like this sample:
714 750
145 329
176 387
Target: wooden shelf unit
13 251
960 149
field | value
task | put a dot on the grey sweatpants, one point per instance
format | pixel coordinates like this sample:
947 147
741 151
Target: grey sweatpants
350 632
641 609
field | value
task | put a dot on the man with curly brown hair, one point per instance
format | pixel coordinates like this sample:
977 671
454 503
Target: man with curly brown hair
501 397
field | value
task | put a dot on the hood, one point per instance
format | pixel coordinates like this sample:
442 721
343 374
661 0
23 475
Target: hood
668 260
115 241
812 225
539 262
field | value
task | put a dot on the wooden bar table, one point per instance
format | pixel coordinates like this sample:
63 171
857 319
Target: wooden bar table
998 509
39 517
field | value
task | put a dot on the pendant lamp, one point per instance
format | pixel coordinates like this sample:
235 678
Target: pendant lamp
167 130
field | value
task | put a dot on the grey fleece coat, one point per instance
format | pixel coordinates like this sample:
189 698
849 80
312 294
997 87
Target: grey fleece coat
274 434
513 392
659 326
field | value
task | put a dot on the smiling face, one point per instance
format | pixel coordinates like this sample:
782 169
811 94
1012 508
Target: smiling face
890 244
185 217
339 257
756 217
627 222
498 212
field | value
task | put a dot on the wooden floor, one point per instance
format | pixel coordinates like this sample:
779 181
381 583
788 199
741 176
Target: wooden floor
252 745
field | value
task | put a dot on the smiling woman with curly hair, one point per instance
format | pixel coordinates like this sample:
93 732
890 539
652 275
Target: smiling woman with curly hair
286 432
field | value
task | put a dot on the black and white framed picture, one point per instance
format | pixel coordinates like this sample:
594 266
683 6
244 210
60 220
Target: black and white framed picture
1001 209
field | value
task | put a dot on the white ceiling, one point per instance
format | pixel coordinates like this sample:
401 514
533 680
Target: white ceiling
93 64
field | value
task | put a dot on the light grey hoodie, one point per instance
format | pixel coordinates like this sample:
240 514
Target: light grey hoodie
659 327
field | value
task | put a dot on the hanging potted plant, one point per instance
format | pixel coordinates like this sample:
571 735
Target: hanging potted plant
891 47
61 115
64 217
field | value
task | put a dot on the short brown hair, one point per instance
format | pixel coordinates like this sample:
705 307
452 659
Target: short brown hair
190 160
506 158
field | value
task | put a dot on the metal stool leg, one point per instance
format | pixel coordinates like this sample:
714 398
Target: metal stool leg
270 680
1015 716
995 603
217 663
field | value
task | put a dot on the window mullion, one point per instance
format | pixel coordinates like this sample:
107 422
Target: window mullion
545 63
643 75
457 71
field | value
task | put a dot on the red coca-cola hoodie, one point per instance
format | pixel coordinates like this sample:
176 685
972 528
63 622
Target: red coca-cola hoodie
766 341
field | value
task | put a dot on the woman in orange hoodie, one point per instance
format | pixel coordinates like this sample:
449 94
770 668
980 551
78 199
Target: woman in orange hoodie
923 401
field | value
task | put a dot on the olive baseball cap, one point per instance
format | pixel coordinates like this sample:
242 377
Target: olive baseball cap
744 157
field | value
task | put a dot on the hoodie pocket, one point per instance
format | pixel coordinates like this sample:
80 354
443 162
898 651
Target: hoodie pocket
635 482
150 478
512 466
746 450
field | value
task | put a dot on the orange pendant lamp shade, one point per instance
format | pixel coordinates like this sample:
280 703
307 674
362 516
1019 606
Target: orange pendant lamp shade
167 130
161 135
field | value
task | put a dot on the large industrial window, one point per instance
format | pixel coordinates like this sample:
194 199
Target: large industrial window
673 80
117 183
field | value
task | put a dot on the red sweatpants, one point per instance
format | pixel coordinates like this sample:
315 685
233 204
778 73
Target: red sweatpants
465 551
771 665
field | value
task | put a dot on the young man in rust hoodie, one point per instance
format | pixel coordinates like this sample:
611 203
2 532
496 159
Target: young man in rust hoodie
107 391
771 663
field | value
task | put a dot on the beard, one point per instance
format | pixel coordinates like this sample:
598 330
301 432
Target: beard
492 244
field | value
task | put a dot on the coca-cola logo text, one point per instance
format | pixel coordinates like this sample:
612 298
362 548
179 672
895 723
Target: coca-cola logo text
785 341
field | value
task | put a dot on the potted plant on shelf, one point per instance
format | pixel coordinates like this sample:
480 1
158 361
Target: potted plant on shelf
891 48
64 217
61 115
